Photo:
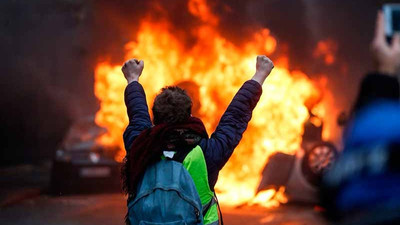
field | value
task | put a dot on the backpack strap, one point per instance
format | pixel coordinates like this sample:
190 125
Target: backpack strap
207 206
219 209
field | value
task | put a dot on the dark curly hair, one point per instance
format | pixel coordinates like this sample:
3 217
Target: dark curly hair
172 105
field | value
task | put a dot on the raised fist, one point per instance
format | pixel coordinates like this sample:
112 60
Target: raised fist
132 69
264 67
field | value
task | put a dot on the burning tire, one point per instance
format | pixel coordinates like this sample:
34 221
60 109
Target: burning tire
317 161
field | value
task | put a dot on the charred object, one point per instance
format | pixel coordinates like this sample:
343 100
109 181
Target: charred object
81 165
301 174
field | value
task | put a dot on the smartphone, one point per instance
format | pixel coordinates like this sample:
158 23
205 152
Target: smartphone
392 17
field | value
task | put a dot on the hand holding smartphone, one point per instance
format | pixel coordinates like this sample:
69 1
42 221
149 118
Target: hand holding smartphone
387 53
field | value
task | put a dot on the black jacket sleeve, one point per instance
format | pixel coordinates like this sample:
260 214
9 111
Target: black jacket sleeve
218 149
138 113
374 87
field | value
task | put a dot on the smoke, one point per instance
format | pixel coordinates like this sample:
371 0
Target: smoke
302 24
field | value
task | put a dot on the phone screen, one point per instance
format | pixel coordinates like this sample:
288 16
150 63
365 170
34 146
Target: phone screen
396 20
392 18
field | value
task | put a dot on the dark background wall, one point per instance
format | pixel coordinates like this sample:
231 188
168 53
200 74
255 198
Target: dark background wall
47 76
49 49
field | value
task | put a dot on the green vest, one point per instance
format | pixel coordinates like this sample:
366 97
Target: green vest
195 164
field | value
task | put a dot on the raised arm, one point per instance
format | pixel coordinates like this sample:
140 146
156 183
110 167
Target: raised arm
135 101
233 123
384 83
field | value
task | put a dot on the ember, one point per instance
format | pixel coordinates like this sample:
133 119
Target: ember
326 49
219 68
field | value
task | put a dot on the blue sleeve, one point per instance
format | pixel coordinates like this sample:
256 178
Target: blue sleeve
218 149
138 113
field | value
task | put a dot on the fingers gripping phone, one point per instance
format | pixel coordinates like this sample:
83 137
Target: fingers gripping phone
392 17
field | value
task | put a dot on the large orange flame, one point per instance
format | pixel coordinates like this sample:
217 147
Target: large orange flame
219 68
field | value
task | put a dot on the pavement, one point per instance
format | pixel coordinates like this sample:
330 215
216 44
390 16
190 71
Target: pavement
21 182
24 201
110 209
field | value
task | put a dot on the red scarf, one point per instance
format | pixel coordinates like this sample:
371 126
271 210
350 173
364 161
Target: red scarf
148 147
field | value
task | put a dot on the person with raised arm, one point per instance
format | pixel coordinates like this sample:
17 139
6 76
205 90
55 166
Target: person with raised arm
175 134
363 186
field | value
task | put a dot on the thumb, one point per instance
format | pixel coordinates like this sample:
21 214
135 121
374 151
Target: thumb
380 27
141 63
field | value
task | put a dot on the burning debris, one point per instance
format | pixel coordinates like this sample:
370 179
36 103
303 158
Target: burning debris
301 174
217 67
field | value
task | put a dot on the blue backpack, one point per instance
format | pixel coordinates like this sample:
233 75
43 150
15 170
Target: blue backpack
166 195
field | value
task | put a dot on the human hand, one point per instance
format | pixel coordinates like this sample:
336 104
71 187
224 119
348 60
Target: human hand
264 67
132 69
387 56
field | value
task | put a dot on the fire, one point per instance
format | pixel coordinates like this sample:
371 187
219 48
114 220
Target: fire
270 198
219 68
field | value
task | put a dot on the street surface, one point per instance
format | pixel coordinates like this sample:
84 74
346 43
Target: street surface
110 209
